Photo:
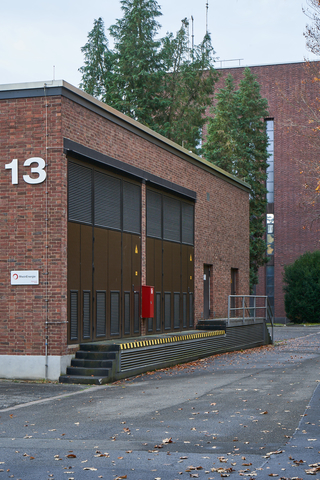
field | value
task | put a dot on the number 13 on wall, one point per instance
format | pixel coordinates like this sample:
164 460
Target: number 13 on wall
38 169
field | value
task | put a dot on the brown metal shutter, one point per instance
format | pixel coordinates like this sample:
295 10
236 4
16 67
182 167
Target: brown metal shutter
107 201
154 214
131 207
171 219
187 223
79 193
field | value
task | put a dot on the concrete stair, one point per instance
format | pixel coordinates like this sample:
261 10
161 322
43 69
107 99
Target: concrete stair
94 364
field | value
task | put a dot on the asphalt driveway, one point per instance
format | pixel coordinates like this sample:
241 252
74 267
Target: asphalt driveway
252 414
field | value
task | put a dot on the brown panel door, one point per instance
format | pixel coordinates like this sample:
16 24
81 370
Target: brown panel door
114 284
86 281
167 285
187 285
101 297
131 279
136 281
176 286
190 307
154 279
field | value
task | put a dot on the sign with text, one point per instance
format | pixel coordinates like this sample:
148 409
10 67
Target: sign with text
25 277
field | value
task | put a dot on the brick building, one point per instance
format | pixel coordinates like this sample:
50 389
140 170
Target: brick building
289 230
93 206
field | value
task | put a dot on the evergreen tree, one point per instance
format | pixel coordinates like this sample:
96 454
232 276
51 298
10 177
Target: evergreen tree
187 89
98 60
237 142
162 83
138 60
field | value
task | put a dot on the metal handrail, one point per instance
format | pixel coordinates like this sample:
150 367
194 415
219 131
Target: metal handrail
251 312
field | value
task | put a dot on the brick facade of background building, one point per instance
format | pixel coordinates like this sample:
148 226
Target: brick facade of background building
282 85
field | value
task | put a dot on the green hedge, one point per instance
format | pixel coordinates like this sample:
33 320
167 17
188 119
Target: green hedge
302 289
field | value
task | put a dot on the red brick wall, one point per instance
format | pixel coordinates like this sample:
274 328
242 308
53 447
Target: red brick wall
34 217
281 85
23 237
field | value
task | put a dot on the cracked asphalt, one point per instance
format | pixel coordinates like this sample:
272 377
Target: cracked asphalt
251 414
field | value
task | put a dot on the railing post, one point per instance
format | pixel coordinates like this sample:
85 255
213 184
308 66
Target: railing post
254 308
228 309
243 305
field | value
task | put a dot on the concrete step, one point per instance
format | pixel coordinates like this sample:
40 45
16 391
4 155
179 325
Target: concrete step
84 362
87 380
96 355
87 372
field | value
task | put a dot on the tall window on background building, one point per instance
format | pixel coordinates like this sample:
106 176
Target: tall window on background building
270 216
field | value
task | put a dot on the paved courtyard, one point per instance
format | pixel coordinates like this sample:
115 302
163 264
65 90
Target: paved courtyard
250 414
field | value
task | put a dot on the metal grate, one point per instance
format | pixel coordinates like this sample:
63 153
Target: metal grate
176 310
154 214
158 311
107 201
86 314
171 219
248 336
184 310
79 193
150 324
136 313
167 310
131 207
191 309
187 223
74 315
127 313
101 313
114 313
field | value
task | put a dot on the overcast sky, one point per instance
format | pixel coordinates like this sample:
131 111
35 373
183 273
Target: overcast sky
40 40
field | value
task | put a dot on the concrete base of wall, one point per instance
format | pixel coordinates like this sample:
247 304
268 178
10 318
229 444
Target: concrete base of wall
33 367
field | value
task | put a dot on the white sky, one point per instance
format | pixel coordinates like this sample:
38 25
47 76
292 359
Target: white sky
37 35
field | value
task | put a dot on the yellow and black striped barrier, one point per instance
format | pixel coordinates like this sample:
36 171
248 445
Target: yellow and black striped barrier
162 340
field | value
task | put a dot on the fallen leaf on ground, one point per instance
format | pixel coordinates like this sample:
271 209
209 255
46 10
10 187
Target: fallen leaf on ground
167 440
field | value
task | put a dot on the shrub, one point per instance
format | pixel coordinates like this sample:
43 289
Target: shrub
302 289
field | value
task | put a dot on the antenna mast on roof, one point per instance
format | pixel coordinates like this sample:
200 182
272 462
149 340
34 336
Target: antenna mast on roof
192 35
207 10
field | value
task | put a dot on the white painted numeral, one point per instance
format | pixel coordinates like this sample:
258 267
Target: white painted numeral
13 166
39 170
